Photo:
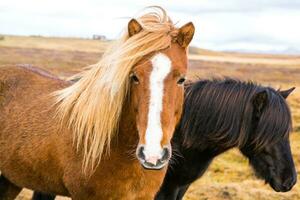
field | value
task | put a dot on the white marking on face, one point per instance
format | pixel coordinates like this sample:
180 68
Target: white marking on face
161 68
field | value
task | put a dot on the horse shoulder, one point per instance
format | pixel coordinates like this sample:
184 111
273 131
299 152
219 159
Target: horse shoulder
27 117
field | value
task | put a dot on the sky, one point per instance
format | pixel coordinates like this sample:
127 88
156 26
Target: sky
266 26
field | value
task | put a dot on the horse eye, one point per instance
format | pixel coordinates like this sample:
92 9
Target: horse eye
134 78
181 81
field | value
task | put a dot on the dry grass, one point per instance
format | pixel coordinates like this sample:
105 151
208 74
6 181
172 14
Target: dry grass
54 43
229 177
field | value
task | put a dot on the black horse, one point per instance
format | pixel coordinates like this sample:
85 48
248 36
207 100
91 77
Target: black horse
222 114
219 115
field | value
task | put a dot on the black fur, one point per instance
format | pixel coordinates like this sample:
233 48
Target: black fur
42 196
222 114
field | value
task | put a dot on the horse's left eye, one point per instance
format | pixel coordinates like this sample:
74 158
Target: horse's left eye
181 81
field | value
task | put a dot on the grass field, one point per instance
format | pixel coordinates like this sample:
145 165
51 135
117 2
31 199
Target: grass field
229 177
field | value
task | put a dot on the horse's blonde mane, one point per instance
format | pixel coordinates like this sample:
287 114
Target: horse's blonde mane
91 107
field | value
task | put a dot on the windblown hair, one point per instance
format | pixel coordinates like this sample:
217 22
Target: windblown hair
222 112
92 106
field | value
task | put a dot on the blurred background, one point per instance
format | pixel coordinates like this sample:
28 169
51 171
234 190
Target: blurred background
256 40
268 26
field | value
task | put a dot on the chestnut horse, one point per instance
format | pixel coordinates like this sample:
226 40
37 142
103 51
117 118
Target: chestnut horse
79 139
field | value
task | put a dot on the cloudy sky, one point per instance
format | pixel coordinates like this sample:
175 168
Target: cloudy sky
232 25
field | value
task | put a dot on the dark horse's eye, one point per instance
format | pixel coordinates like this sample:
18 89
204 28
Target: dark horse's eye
134 78
181 81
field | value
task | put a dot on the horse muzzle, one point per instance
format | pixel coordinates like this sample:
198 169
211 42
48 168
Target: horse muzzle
156 161
286 186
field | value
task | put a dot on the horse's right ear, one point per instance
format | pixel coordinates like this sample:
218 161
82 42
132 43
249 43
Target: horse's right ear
260 100
134 27
286 93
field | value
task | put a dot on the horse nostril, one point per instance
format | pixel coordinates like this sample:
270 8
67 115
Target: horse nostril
166 154
140 153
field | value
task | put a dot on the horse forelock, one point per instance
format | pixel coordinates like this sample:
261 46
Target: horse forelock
220 111
92 106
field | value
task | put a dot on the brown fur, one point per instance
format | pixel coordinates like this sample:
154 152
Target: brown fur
30 142
36 153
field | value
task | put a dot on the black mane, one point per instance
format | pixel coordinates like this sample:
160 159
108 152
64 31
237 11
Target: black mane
223 111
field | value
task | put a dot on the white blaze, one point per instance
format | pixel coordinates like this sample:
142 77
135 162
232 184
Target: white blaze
161 68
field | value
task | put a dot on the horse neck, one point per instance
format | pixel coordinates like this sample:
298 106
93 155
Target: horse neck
200 155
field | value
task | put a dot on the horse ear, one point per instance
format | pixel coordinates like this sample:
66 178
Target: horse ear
286 93
259 101
185 34
134 27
